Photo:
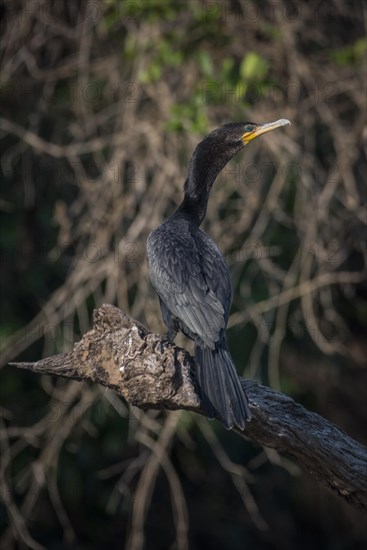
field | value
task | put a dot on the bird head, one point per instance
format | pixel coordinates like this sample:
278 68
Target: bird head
224 142
238 134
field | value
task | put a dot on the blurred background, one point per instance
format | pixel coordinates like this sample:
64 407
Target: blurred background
102 104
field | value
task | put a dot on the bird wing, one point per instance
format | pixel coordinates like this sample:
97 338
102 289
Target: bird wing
216 271
192 279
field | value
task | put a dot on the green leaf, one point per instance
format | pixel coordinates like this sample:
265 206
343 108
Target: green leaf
253 67
352 55
205 62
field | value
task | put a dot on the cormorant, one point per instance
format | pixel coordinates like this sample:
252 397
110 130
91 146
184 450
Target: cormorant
192 279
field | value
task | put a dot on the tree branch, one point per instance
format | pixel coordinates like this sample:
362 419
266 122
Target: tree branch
151 373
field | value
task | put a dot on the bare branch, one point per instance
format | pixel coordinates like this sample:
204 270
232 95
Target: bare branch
150 372
54 149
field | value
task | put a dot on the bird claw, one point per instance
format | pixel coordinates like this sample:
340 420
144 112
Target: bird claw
167 339
163 343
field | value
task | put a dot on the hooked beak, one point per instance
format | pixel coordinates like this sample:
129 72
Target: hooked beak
263 128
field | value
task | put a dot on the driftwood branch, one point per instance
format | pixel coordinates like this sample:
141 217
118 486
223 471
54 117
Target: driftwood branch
150 372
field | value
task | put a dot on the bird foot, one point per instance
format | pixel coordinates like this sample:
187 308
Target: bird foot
171 335
164 342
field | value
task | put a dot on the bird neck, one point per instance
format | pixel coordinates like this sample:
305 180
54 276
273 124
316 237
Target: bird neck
204 167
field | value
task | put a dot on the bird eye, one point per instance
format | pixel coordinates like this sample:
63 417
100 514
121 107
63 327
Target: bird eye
249 128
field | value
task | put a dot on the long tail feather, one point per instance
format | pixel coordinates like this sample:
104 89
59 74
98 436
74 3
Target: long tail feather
221 390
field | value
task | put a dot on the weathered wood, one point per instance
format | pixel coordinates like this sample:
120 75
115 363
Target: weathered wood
150 372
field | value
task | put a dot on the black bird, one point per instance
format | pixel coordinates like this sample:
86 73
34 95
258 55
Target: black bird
192 279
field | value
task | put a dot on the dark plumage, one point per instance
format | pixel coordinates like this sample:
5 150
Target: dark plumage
192 279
